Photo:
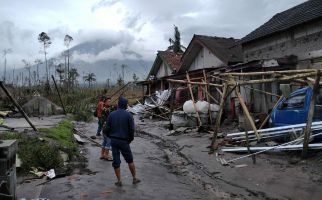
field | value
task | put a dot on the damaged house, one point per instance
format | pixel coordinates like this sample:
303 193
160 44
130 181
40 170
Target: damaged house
290 40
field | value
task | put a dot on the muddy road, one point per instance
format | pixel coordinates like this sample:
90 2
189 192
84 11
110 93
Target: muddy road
157 169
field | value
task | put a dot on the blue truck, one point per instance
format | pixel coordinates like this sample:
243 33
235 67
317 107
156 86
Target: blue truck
294 109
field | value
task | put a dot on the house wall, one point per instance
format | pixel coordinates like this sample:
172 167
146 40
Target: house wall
205 59
304 41
164 70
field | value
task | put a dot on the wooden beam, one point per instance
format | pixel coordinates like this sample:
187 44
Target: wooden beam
270 80
246 113
261 91
218 120
269 115
17 105
193 99
215 100
269 72
307 131
207 94
61 101
193 83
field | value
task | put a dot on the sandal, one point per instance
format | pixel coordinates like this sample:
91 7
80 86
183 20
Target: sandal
136 181
118 183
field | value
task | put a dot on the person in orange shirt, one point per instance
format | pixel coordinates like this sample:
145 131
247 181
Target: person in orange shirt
99 110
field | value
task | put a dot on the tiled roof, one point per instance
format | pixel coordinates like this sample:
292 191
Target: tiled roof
171 58
224 48
305 12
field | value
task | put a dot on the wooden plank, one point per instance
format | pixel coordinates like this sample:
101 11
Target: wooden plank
247 114
193 99
307 131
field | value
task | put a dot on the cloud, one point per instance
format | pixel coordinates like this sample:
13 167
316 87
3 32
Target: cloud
103 3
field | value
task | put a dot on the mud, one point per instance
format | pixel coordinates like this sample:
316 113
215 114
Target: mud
273 177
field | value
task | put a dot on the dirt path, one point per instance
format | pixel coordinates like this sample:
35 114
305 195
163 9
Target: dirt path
160 179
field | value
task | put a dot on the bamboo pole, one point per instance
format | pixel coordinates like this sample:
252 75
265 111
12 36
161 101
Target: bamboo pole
247 114
193 99
261 91
268 72
286 78
17 105
207 96
218 119
215 100
61 101
193 83
307 131
269 115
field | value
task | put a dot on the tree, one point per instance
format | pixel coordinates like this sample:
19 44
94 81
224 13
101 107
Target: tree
175 45
5 52
60 70
90 77
28 67
120 81
73 75
45 40
135 78
67 40
38 62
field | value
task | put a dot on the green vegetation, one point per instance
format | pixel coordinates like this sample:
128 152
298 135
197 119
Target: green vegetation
34 151
63 134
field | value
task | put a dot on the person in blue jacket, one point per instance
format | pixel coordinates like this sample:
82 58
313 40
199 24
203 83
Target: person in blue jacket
120 125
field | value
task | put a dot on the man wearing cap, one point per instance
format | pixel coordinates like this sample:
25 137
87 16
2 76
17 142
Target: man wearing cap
120 125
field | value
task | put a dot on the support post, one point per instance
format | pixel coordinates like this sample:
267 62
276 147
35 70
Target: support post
193 99
246 113
269 115
307 131
17 105
248 148
61 101
206 89
218 119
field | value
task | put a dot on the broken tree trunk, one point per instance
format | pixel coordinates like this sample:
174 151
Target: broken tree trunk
17 105
307 130
193 99
61 101
246 113
218 120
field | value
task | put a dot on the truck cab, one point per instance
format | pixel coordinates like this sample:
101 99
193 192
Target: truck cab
294 109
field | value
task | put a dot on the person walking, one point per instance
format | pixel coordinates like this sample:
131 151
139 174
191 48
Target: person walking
120 125
106 145
99 113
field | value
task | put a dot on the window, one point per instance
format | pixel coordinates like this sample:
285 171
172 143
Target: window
294 102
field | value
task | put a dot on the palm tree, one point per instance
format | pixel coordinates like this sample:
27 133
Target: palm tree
90 77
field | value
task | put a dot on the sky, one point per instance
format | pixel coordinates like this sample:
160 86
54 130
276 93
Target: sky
142 26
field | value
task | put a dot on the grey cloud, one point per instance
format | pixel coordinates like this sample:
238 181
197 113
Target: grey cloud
103 3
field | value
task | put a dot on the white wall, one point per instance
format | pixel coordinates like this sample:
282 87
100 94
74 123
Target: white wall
164 70
205 59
